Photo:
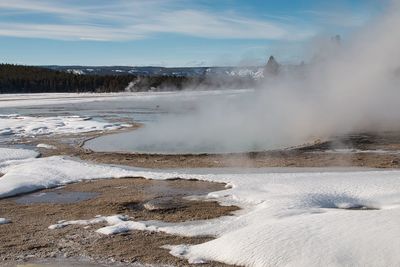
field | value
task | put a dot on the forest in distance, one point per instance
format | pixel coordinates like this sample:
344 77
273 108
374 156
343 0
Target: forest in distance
33 79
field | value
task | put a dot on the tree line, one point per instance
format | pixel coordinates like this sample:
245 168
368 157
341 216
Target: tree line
31 79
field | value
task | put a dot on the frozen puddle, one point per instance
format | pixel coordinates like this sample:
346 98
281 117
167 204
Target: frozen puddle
62 197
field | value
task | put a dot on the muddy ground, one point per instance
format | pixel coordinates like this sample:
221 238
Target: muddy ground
28 238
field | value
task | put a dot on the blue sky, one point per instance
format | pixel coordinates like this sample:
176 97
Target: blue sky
171 32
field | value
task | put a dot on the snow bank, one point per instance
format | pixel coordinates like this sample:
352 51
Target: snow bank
4 221
301 219
293 218
9 154
24 173
33 174
31 126
289 217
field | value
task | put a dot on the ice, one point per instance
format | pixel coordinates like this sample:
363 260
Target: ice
31 126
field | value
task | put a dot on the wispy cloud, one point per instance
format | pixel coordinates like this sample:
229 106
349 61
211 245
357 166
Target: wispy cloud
132 20
342 19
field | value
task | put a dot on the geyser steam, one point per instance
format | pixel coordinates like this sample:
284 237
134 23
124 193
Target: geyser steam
348 88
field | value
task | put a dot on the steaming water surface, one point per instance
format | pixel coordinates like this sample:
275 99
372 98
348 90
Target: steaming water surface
201 123
174 122
145 140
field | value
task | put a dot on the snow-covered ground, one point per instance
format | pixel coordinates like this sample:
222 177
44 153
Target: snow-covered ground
16 125
289 217
42 99
23 172
9 155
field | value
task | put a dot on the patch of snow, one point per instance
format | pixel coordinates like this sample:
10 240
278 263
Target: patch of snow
115 219
76 71
46 146
255 74
31 126
292 217
8 155
4 221
23 173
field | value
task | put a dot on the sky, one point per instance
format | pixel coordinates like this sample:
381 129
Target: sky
172 32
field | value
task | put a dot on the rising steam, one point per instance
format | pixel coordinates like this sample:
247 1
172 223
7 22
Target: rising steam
346 88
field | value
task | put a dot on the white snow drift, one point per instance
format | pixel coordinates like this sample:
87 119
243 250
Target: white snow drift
17 125
9 155
24 173
289 217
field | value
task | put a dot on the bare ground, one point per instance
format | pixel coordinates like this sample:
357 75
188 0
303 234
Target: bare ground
28 238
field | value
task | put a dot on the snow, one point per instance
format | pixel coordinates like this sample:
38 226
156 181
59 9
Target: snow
298 219
46 146
75 71
24 173
257 74
17 125
289 217
8 155
4 221
32 174
42 99
114 219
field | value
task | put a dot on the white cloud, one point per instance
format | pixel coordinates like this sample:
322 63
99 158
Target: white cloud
128 20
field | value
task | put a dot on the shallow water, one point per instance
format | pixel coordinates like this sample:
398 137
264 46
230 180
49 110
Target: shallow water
61 197
147 108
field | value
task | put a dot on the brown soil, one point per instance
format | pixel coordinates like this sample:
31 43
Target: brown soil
28 238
